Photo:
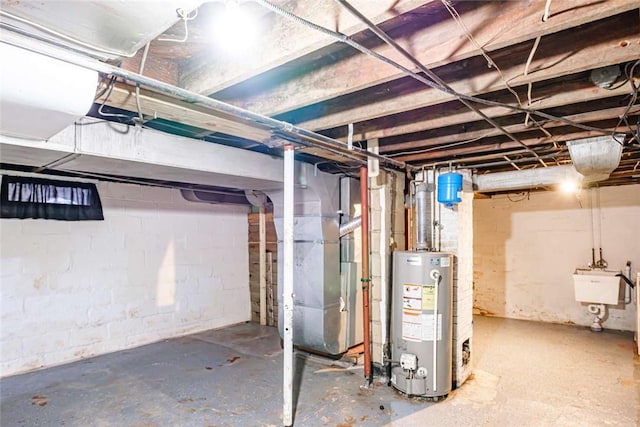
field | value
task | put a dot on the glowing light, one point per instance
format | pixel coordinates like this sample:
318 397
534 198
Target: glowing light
569 186
235 30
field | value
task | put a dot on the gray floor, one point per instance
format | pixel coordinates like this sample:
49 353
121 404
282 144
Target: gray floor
526 374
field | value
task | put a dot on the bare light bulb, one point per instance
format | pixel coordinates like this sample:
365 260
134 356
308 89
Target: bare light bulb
235 30
569 186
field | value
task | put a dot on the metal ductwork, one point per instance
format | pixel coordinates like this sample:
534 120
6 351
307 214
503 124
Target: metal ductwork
525 179
324 306
97 147
423 195
596 158
105 29
216 197
40 96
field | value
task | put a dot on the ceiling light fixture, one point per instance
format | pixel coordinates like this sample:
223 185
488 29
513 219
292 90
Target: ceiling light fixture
235 29
569 186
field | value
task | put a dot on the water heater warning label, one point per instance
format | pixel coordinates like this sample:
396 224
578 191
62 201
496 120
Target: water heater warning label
411 312
428 294
416 325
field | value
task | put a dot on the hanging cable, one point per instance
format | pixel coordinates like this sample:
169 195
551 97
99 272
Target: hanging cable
632 101
344 39
434 78
547 11
490 62
186 17
112 83
440 147
142 62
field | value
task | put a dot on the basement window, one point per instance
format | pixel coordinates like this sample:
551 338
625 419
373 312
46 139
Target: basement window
37 198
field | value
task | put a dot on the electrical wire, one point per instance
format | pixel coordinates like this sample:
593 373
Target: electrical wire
143 60
490 62
112 83
186 17
440 147
433 78
632 101
524 195
547 11
345 39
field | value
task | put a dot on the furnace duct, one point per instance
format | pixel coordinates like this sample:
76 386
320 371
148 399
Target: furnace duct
596 158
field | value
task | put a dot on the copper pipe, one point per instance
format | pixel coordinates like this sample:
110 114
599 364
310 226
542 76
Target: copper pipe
366 280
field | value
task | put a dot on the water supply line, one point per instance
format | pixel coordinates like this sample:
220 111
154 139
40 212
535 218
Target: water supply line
366 280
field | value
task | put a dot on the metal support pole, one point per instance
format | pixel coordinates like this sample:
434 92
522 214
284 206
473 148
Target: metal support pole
287 292
262 230
366 280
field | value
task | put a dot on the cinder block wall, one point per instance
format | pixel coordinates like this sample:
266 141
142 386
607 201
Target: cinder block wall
386 195
157 267
456 236
527 247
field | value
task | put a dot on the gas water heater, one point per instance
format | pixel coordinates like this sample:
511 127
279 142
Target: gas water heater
422 323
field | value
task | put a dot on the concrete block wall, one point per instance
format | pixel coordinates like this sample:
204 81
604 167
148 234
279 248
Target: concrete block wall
528 246
386 194
156 267
456 236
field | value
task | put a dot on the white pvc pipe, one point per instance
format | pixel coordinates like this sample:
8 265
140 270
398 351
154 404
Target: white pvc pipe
262 230
287 289
435 275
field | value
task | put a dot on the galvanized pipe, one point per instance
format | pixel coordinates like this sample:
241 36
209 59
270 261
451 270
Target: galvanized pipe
366 280
287 288
423 240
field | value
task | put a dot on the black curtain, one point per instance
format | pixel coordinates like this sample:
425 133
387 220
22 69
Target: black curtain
38 198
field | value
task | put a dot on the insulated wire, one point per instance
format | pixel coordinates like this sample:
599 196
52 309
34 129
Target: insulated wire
440 147
490 62
345 39
632 101
185 18
112 83
434 78
142 62
458 19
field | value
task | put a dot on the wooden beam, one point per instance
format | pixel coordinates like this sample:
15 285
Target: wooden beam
590 116
286 41
503 146
454 113
494 25
584 48
160 106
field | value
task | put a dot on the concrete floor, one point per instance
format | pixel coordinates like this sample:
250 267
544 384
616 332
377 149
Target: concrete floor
526 374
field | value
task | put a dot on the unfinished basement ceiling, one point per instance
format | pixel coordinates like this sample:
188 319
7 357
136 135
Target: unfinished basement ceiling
499 51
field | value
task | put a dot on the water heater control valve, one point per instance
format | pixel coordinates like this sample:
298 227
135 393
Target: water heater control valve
409 361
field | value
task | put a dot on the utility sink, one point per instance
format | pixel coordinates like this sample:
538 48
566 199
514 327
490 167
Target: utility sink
596 286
